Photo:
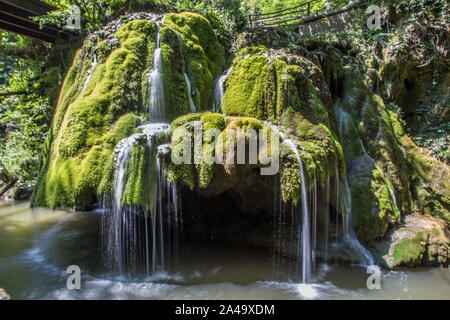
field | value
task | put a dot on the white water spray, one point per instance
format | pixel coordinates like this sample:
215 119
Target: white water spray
89 73
189 89
156 103
219 91
306 232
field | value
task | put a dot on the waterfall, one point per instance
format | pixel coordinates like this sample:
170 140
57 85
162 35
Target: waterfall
306 237
350 237
138 238
125 224
156 103
191 101
306 231
219 91
186 77
326 216
345 119
314 224
89 73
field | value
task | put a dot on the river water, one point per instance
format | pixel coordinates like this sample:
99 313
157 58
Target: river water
37 247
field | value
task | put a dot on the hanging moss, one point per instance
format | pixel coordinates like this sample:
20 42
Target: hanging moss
182 172
290 179
141 177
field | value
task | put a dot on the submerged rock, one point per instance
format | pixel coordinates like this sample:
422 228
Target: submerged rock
422 240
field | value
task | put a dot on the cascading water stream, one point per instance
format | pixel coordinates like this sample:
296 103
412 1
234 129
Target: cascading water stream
89 73
344 119
186 77
156 103
191 101
310 213
306 232
345 203
219 91
124 223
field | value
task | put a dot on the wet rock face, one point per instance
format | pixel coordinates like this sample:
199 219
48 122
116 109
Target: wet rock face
4 295
422 240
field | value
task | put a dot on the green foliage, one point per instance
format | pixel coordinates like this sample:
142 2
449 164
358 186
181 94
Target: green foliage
269 6
141 177
94 13
29 83
225 16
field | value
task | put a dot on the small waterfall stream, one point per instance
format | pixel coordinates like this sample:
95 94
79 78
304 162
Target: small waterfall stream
344 120
350 238
125 225
89 73
306 231
186 77
219 91
191 101
156 103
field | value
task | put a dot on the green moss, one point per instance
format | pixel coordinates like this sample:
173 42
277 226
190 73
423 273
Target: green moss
251 90
245 123
240 127
410 252
373 205
249 51
182 172
201 174
213 121
176 95
204 55
184 120
205 171
290 179
141 177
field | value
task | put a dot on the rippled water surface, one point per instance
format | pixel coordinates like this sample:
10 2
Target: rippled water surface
37 247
